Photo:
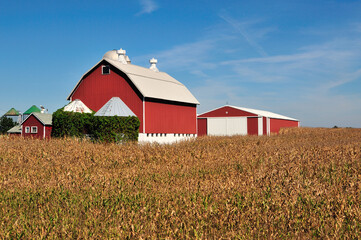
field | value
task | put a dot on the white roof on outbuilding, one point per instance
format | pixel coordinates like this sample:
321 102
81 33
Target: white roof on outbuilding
264 113
260 113
15 129
77 106
115 107
151 84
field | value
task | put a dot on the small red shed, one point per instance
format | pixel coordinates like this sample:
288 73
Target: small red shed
37 125
231 120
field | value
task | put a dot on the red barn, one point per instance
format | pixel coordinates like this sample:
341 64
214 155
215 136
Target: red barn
165 107
37 125
231 120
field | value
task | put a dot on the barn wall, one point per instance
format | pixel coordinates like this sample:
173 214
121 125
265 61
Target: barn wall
48 131
32 122
277 124
161 117
202 126
227 112
96 89
252 126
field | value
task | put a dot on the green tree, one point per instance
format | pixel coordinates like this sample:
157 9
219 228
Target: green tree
5 124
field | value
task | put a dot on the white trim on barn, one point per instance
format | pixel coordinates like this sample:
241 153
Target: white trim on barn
260 126
164 138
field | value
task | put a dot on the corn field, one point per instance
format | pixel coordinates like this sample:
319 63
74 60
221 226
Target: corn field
303 183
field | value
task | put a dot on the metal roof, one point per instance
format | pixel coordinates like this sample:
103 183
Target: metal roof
77 106
15 129
115 107
264 113
12 112
260 113
44 118
32 109
150 84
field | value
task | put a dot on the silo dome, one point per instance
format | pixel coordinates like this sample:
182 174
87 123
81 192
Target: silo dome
112 55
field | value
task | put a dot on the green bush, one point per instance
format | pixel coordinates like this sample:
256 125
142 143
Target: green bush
5 124
102 129
115 129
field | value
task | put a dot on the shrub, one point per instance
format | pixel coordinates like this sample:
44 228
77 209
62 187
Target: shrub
114 129
103 129
5 124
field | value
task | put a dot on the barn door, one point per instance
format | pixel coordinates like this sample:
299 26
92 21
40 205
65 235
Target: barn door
236 126
227 126
217 126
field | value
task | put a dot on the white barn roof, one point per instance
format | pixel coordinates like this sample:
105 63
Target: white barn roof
264 113
77 106
115 107
151 84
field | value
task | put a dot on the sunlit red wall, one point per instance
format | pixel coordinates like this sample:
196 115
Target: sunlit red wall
161 117
48 131
252 126
277 124
97 89
202 126
227 112
33 122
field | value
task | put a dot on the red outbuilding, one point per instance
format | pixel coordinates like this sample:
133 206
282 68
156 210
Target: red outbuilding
165 107
37 125
231 120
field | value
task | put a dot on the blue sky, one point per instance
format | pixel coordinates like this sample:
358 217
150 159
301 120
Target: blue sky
301 59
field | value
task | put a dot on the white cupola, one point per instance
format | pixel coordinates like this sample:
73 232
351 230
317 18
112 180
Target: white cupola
153 64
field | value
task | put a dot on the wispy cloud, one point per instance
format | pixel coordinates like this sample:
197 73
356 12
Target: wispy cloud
148 6
191 57
239 27
309 82
344 78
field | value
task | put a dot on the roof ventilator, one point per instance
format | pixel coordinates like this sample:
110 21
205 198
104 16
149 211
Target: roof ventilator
153 64
122 57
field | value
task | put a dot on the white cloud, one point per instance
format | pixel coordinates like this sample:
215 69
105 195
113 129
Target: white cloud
148 6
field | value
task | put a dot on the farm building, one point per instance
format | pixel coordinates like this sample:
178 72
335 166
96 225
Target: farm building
115 107
231 120
37 125
13 114
167 110
32 109
77 106
16 130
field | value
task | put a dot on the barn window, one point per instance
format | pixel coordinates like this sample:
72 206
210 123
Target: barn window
27 129
34 129
105 69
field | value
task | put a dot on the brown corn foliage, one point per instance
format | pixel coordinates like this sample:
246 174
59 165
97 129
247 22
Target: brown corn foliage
302 183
